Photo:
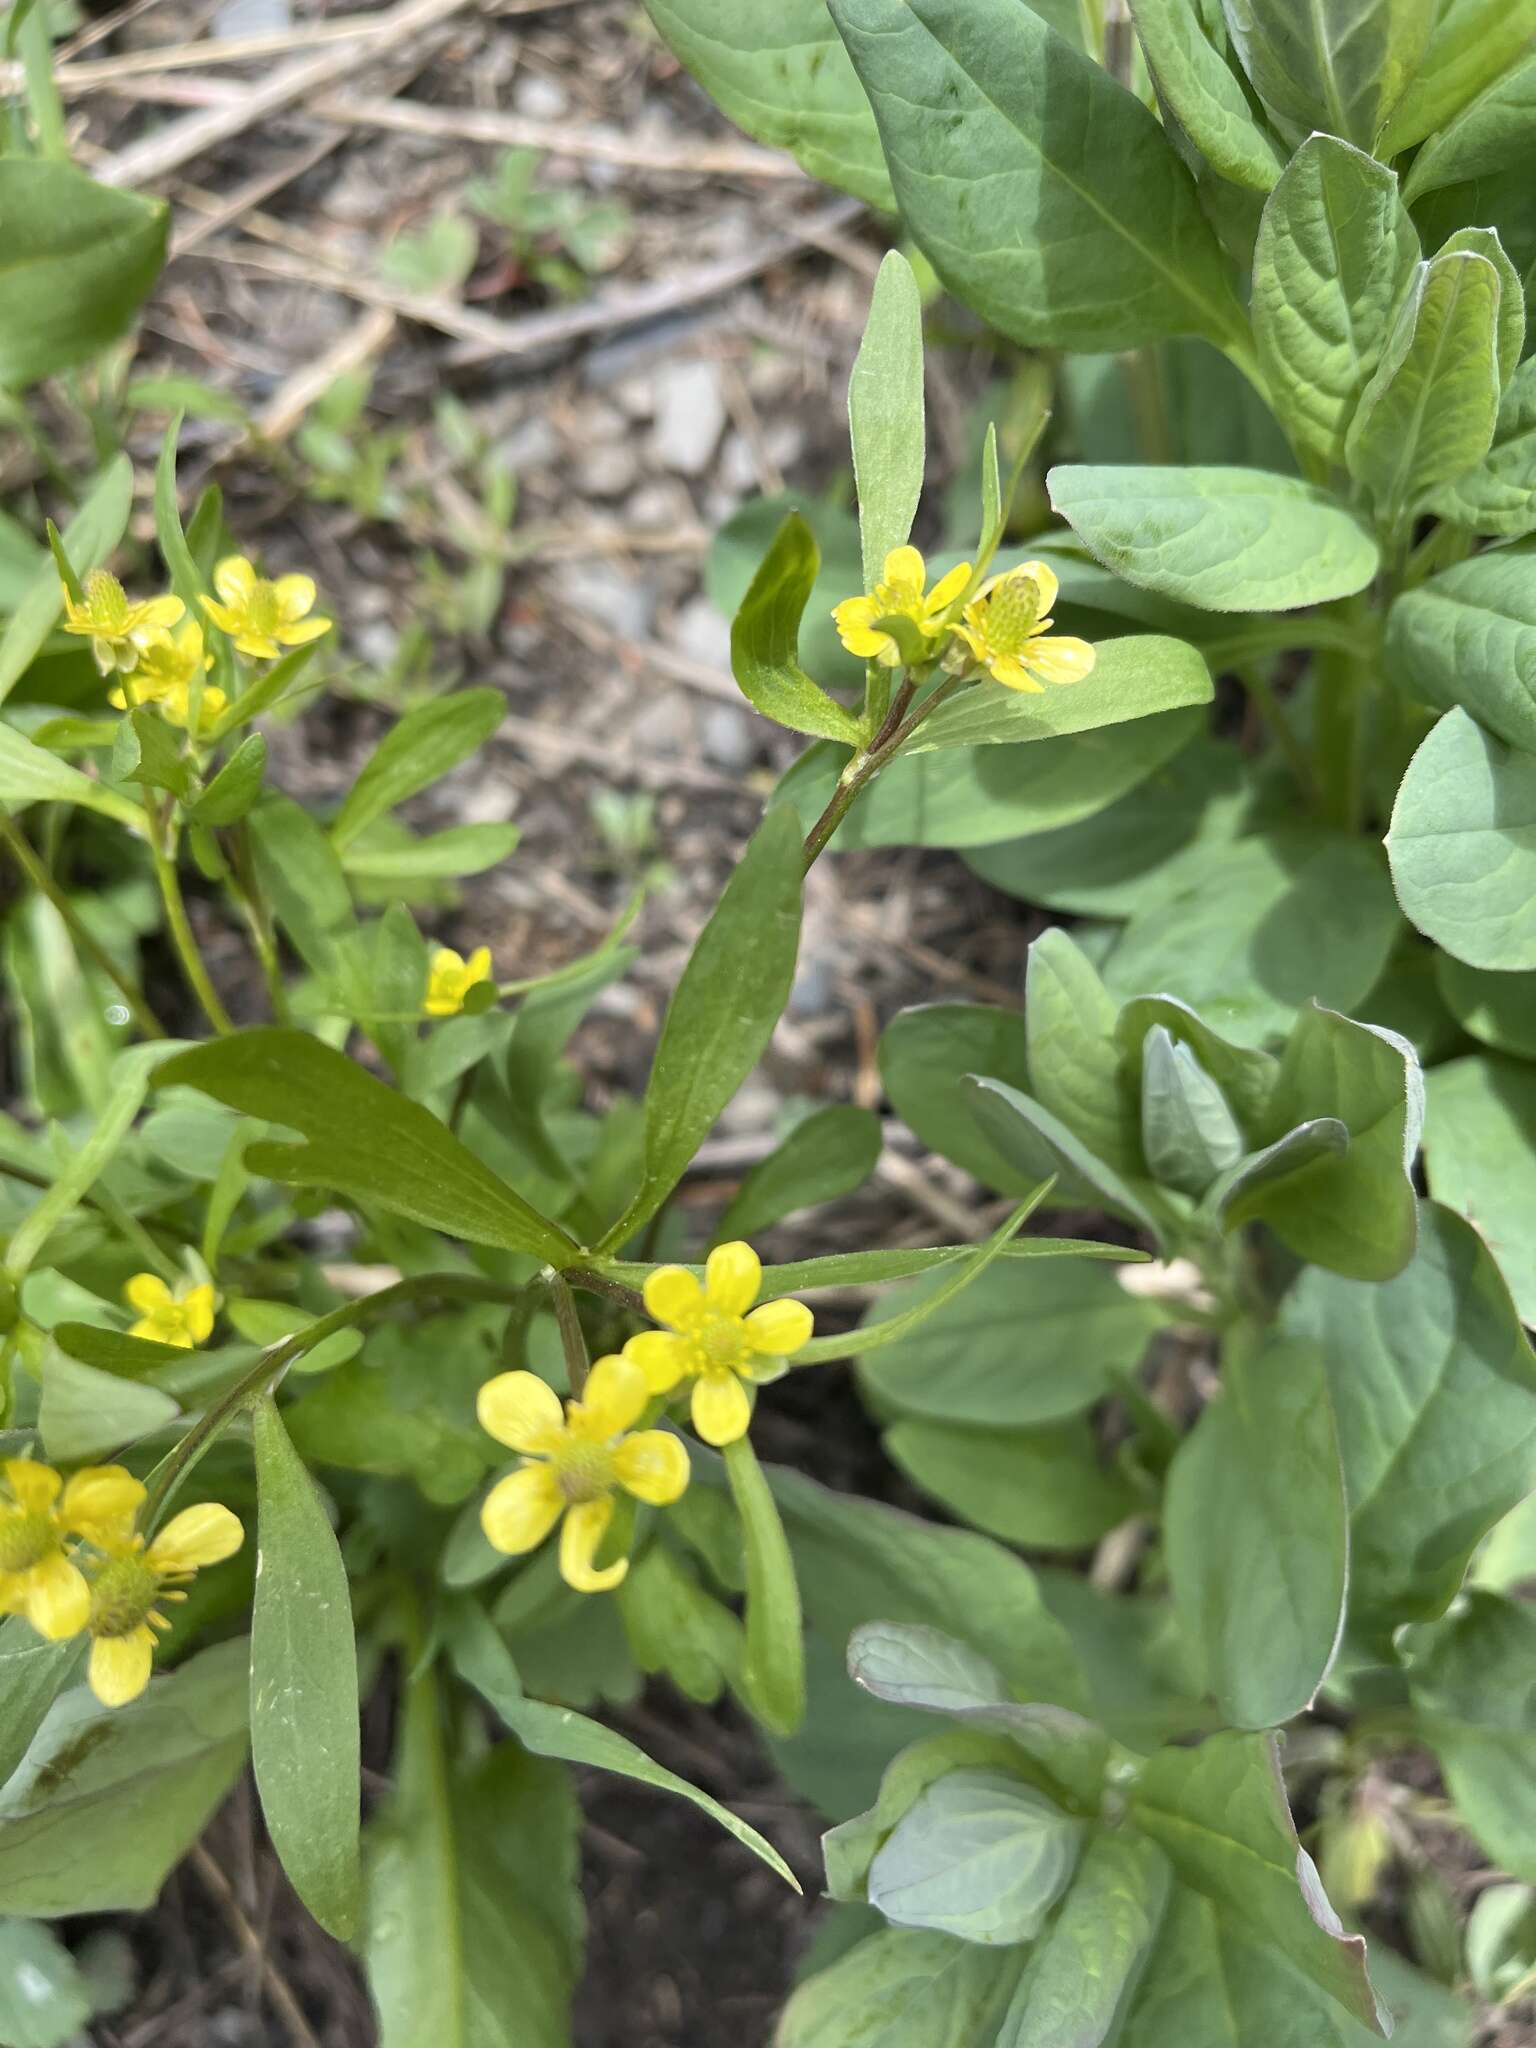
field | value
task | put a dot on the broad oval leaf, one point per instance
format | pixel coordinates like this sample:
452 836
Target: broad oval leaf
1495 129
902 1989
1085 1971
1205 91
1479 1160
305 1744
1227 540
984 113
1188 1132
1473 43
1499 496
79 260
1336 65
1468 637
1470 1680
979 1855
1135 677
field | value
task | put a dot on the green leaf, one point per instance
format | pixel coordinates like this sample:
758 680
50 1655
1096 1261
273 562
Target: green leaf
483 1661
297 867
1044 1489
1336 65
236 787
1428 413
1491 131
474 1924
86 1415
31 775
1132 678
45 2000
1352 1211
441 856
870 1269
1282 918
1027 1344
736 555
1499 1009
89 538
774 1672
80 259
147 751
925 1055
787 80
1026 1133
1434 1389
1468 637
365 1140
765 640
902 1989
415 753
1510 330
1206 94
832 1152
109 1799
1499 496
1335 252
1246 1077
1083 1976
1478 1158
979 1855
722 1015
886 417
32 1675
1075 1069
1473 43
980 104
1227 540
1463 845
1472 1678
1264 1605
304 1704
1220 1816
1188 1133
1238 1195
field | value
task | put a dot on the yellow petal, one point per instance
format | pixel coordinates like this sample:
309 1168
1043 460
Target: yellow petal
779 1328
101 1501
1060 659
521 1411
299 632
1008 670
147 1292
234 579
672 1295
221 616
904 565
35 1486
161 611
478 966
295 596
520 1510
1045 580
58 1599
948 588
721 1410
206 1534
653 1466
662 1357
614 1395
197 1305
585 1527
120 1666
732 1278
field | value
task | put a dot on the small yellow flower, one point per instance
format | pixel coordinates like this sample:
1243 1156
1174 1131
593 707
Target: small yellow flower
38 1512
169 663
452 977
119 628
573 1462
1004 627
131 1578
900 594
711 1338
263 618
176 707
184 1318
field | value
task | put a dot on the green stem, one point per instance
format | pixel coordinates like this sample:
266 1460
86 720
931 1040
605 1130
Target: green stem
40 876
572 1337
1343 680
34 40
866 764
181 930
1259 688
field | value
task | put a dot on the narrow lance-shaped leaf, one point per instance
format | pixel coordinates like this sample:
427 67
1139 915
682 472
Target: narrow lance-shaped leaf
29 774
425 744
988 117
1089 1962
886 415
305 1744
765 640
1205 93
774 1672
365 1140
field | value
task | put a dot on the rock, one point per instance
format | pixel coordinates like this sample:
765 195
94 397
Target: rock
690 413
251 17
635 394
814 989
737 468
606 594
531 444
540 98
661 506
664 726
729 738
607 469
755 1107
700 632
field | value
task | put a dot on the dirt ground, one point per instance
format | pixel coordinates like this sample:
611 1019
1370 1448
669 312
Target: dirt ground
628 413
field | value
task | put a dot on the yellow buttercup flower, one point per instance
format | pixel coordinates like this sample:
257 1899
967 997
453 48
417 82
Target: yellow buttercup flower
451 978
118 627
38 1577
572 1463
184 1318
132 1578
261 617
899 594
1005 624
176 707
711 1338
169 664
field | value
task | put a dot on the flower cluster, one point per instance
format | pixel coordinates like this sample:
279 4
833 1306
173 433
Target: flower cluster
160 653
577 1459
74 1561
1003 627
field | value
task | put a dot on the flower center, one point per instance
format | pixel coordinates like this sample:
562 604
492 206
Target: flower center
25 1540
122 1594
262 611
583 1471
1013 614
108 601
716 1343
